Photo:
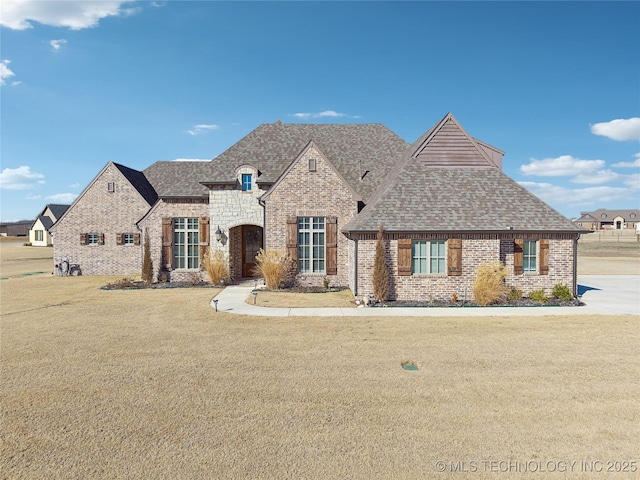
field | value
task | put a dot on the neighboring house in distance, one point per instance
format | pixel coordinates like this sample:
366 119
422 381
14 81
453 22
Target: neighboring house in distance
603 219
321 192
15 229
39 235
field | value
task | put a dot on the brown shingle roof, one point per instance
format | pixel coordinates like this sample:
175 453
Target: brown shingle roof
351 148
178 179
458 199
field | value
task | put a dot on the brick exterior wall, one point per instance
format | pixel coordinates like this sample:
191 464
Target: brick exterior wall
476 249
103 212
182 208
303 193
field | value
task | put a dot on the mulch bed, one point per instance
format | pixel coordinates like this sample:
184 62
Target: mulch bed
524 302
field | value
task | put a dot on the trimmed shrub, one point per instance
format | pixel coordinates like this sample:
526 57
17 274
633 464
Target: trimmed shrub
274 266
539 296
489 286
216 264
147 263
562 292
380 271
514 295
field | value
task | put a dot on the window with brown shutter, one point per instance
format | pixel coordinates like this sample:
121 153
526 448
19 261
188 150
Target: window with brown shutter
119 238
204 236
518 243
292 238
84 239
454 257
331 227
544 257
136 239
167 242
101 239
404 256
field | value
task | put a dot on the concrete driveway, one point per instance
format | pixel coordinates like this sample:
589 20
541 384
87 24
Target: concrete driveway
602 294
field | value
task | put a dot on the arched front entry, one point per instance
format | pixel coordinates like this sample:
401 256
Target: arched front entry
244 243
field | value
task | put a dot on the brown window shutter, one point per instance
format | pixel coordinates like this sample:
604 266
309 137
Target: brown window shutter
518 243
101 239
331 226
204 236
292 238
119 238
544 257
167 242
136 239
454 257
83 239
404 256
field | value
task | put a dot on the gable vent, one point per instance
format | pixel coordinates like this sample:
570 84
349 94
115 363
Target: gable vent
111 187
312 164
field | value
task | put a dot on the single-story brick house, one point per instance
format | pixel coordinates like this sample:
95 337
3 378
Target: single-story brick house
39 235
604 219
321 192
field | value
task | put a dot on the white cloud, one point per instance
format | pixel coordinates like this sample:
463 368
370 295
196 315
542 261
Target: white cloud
326 113
558 195
56 44
620 129
595 178
32 196
21 178
635 163
62 197
5 71
564 165
75 14
202 128
633 181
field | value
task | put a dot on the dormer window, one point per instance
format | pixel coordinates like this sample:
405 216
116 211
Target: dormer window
246 182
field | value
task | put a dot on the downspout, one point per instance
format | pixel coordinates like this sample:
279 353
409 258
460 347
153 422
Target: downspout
355 267
575 266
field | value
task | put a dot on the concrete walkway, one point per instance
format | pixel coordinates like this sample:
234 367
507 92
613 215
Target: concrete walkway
602 294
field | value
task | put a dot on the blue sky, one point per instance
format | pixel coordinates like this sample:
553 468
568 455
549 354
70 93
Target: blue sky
555 85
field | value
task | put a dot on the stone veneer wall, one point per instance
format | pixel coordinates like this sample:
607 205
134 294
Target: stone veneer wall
302 193
476 249
179 208
230 207
110 213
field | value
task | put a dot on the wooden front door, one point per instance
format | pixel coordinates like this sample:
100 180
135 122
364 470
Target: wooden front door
251 243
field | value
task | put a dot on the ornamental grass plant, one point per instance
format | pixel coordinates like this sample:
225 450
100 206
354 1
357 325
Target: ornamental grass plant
274 266
216 263
489 286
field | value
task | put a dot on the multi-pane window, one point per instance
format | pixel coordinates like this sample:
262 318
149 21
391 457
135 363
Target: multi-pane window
186 245
529 255
311 245
92 239
128 239
246 182
428 257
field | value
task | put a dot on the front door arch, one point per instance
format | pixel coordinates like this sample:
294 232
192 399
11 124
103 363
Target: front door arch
251 244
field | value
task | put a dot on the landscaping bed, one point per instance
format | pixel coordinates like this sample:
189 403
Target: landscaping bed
524 302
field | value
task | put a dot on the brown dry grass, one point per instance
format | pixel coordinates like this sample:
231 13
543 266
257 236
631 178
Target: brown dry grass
342 298
154 384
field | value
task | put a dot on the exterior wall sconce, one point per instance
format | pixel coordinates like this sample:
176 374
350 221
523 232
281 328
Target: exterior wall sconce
220 236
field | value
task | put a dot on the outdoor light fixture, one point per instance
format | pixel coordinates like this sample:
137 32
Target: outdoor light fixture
215 303
255 295
219 234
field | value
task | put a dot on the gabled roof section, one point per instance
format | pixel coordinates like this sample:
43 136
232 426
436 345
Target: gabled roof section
454 189
56 209
351 148
474 199
46 222
447 144
138 180
178 179
309 146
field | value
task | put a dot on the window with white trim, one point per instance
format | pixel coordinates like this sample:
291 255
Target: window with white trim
128 239
311 245
186 243
529 255
39 235
246 182
428 256
92 238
